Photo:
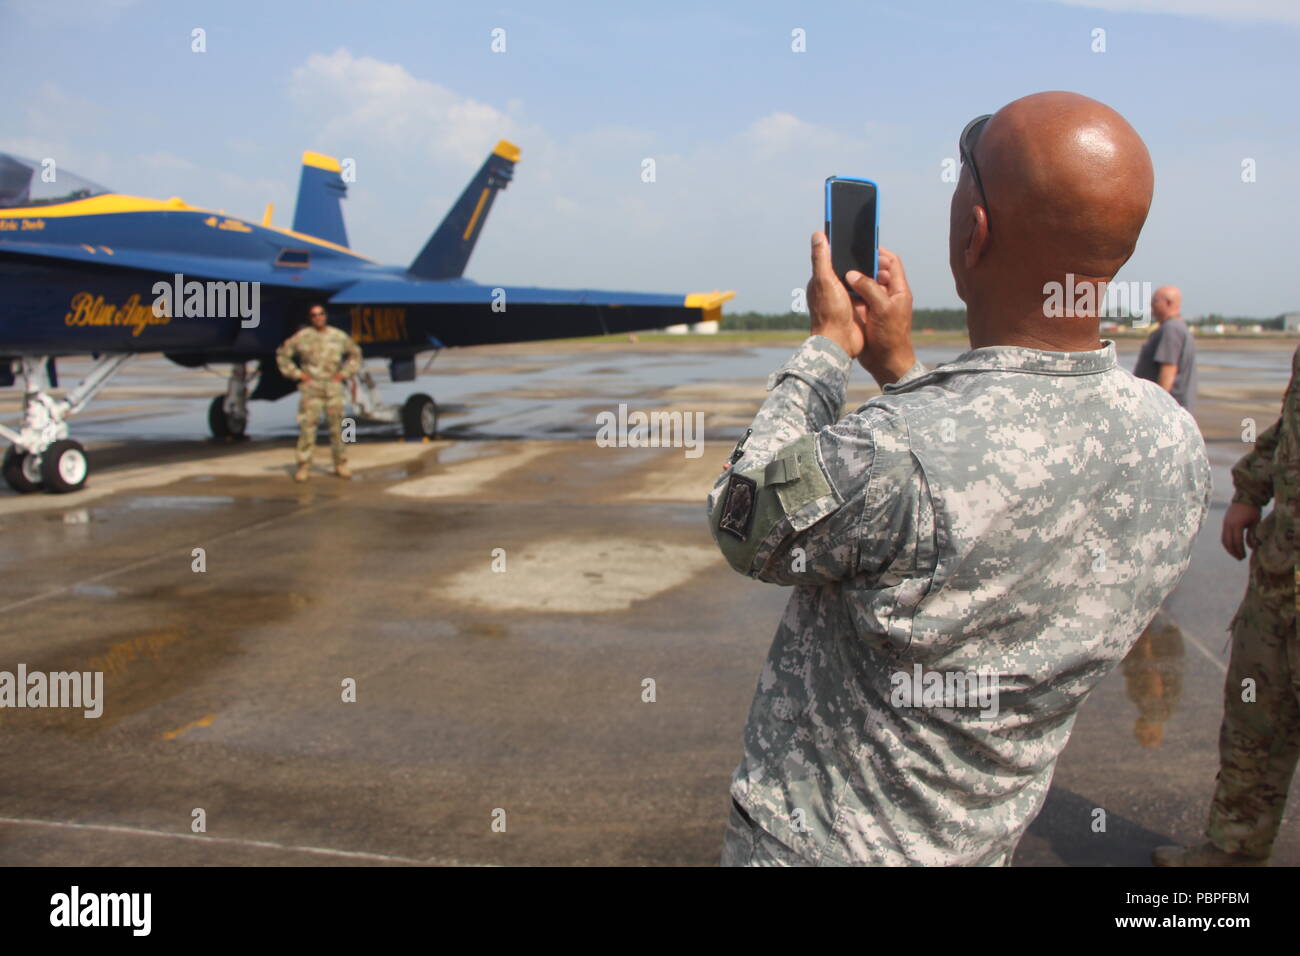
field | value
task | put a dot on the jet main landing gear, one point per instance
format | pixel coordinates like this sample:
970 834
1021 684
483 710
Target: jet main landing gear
228 414
418 415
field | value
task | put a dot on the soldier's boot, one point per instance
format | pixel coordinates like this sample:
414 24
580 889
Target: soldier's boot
1207 854
303 472
342 470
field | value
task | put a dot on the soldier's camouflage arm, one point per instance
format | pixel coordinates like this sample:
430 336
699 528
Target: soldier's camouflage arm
284 359
792 508
353 363
1252 475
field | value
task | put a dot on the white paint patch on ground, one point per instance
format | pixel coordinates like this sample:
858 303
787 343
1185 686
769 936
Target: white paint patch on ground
576 576
465 478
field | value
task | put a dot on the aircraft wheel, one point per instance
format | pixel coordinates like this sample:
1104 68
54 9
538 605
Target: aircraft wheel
22 470
64 467
419 417
222 424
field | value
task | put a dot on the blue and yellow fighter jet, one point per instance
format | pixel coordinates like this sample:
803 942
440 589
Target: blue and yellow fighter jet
84 270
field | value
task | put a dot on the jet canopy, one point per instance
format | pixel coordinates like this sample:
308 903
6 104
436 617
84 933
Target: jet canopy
23 183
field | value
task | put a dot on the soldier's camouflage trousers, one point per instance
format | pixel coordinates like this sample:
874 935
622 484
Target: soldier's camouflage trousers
1259 741
317 398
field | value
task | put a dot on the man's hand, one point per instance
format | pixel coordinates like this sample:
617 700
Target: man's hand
305 379
829 305
884 314
1238 519
336 377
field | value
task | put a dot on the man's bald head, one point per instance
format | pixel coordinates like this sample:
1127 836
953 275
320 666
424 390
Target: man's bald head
1069 184
1167 303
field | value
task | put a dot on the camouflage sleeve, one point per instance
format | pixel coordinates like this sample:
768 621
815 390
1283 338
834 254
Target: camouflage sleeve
791 509
1252 475
916 371
804 394
284 359
352 365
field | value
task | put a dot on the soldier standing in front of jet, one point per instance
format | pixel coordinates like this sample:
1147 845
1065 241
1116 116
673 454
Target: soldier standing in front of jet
327 357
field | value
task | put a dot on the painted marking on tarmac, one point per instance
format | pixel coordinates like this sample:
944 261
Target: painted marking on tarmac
1213 658
234 841
204 721
170 552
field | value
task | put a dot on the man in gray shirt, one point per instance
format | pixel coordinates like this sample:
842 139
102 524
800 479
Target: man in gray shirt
1168 356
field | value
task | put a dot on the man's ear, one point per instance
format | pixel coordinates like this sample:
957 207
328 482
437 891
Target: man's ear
977 238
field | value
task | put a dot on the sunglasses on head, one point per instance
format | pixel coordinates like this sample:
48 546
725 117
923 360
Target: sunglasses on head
966 145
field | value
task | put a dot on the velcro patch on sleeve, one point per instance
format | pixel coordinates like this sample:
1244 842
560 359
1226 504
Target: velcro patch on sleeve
805 495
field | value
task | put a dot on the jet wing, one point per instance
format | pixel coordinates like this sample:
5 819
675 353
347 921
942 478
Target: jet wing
458 312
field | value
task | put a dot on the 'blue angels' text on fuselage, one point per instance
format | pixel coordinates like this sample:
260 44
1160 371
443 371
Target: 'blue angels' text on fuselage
90 310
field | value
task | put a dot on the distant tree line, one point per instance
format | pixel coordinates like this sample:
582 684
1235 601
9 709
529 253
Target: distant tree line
1215 319
941 320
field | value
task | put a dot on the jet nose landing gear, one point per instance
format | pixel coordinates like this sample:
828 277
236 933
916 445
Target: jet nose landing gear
228 414
41 454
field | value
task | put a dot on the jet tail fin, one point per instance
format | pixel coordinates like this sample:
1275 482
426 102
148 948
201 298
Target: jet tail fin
320 190
447 252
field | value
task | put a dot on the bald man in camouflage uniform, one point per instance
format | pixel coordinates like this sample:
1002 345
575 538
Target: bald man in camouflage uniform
326 358
1017 515
1259 740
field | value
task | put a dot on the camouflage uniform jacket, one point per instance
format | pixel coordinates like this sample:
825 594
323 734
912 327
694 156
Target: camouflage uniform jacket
1017 512
1272 471
320 354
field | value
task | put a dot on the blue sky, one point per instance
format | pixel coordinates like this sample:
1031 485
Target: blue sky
742 129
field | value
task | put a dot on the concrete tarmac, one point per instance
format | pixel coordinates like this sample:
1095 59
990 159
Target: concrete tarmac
499 600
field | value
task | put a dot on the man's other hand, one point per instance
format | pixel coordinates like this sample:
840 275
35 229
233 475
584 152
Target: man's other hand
829 305
306 379
884 313
1240 519
337 377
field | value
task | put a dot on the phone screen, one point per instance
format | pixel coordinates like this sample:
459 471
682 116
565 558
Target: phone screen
851 225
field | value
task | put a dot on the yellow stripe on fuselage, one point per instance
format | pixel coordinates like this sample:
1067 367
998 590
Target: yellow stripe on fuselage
105 204
114 204
318 242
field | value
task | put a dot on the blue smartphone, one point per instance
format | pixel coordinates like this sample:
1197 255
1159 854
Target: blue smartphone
852 224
